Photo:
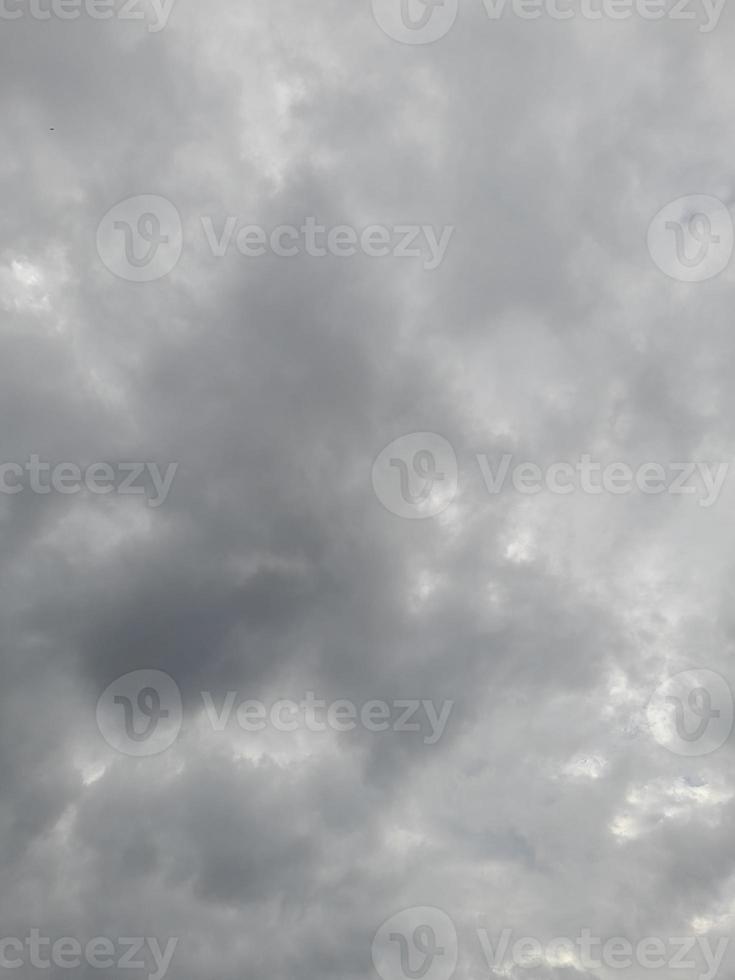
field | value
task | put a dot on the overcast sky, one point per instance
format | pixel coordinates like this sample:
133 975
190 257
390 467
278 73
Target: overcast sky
299 547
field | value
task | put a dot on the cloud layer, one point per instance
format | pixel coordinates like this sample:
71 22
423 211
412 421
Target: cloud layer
272 569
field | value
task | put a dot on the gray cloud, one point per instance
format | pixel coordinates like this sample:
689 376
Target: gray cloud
547 806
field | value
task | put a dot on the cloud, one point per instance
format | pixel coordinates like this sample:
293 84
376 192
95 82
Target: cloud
273 570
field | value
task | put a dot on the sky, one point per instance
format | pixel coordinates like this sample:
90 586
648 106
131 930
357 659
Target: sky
366 580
